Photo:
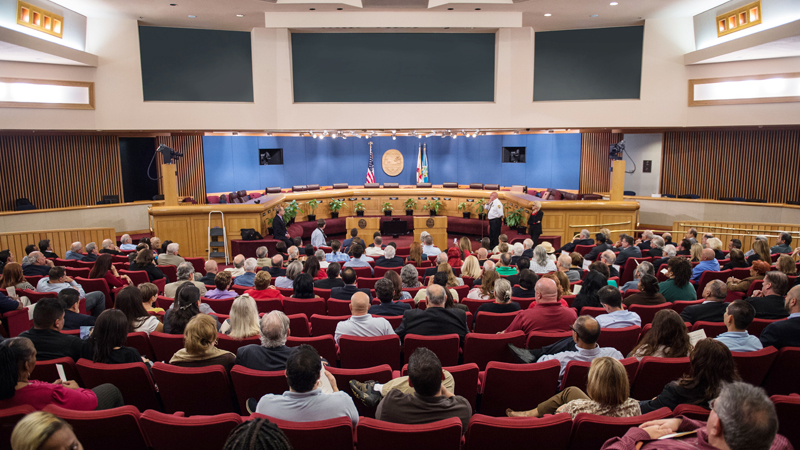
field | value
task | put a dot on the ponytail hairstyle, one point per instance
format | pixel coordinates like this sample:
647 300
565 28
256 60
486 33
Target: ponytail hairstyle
185 307
13 353
502 291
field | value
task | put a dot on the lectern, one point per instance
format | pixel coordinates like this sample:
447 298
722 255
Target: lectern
436 226
366 226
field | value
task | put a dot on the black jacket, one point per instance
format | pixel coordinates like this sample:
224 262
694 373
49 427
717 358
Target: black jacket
596 251
645 245
522 293
429 272
346 292
528 253
433 322
208 279
653 252
153 272
389 309
674 395
33 270
90 258
328 283
394 262
706 312
50 255
535 223
276 272
51 344
770 307
785 333
278 228
74 321
111 251
570 246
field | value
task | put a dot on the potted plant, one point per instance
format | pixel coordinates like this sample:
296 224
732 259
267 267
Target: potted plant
387 208
433 206
482 213
410 205
515 217
335 206
312 204
290 212
359 207
464 207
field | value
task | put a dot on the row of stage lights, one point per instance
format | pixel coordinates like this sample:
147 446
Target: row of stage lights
443 133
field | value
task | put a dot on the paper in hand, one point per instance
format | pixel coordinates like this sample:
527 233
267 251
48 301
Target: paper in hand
61 373
696 336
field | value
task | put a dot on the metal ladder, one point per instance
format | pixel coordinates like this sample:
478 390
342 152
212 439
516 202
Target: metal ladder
214 245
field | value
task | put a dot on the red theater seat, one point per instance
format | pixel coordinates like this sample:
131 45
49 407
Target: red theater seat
551 432
654 373
483 348
534 383
591 431
170 432
132 379
249 383
336 434
377 435
446 347
325 345
97 429
362 352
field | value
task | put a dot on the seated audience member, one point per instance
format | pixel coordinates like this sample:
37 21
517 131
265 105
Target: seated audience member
200 350
305 401
238 266
361 323
385 290
757 272
311 268
585 332
280 247
376 248
13 277
332 279
527 284
769 302
627 250
786 265
471 268
527 248
428 248
736 260
541 263
708 261
483 255
503 266
579 239
74 252
684 248
602 245
502 239
517 249
716 245
47 249
443 279
430 400
503 248
441 258
39 265
734 243
784 244
668 338
677 286
346 292
742 418
272 353
397 282
170 258
320 255
656 247
58 280
149 293
436 320
347 242
562 283
144 261
304 287
644 268
185 306
309 252
752 251
760 253
155 245
615 316
263 290
18 358
357 261
592 284
104 268
211 272
738 317
409 276
648 293
106 344
292 271
262 258
247 279
465 247
502 300
110 248
712 366
565 264
607 394
50 343
73 319
547 315
669 252
129 301
277 269
576 265
485 289
785 333
691 236
415 255
608 257
185 274
91 253
667 238
646 241
223 284
126 243
335 255
388 259
713 307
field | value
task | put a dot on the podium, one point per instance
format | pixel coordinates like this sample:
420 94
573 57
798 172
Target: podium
366 226
436 226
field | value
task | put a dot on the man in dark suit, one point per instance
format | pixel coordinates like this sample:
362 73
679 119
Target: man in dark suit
769 302
601 246
384 290
581 239
435 320
431 271
277 269
47 249
333 280
389 259
73 319
627 250
110 248
714 306
39 265
528 252
211 272
346 293
91 252
785 333
279 231
644 243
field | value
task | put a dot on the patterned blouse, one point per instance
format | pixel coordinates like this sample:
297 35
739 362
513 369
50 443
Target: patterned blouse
629 408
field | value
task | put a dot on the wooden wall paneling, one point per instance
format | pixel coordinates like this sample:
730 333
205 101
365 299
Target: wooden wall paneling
595 165
747 237
60 240
190 167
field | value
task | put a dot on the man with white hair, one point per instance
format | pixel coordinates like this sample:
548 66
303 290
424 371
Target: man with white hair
248 278
428 248
272 353
185 273
74 252
238 266
528 248
581 239
126 243
389 258
669 252
656 247
488 266
91 253
320 255
518 250
608 257
564 264
667 238
261 258
376 249
110 248
39 265
441 258
644 242
170 258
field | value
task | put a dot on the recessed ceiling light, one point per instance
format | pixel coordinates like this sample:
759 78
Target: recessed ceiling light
614 3
548 15
191 16
240 15
593 15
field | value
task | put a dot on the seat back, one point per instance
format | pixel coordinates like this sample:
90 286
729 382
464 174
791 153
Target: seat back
198 263
172 384
325 325
493 322
34 296
550 432
788 409
324 293
362 352
648 312
782 377
524 303
132 379
379 374
338 307
18 321
679 305
165 345
474 304
337 434
170 271
299 325
227 343
758 325
249 383
9 418
709 275
595 311
753 366
712 329
46 370
378 435
465 377
381 271
366 282
482 348
536 383
170 432
622 339
325 345
73 272
462 292
95 429
539 339
268 305
65 262
141 342
654 373
591 431
137 276
577 373
584 249
363 272
309 306
445 346
219 305
691 411
626 274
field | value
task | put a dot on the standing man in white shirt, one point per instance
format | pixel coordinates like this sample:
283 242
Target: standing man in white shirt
318 236
495 214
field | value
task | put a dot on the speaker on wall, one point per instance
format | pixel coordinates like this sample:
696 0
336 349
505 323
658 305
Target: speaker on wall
270 156
514 155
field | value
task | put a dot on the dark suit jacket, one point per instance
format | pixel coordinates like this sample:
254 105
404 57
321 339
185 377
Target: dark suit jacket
51 344
706 312
718 254
429 272
153 272
329 283
513 279
770 307
389 309
612 272
278 228
570 246
346 292
50 255
645 245
785 333
535 223
528 253
275 272
433 322
74 321
33 270
625 253
394 262
655 252
208 279
596 251
346 244
90 258
111 251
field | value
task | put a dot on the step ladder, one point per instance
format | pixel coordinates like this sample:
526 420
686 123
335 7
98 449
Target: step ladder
214 245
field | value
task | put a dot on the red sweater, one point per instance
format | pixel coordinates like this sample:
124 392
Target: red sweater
549 317
40 394
264 294
113 282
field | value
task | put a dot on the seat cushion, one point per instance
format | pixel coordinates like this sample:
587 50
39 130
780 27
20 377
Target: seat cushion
299 188
312 187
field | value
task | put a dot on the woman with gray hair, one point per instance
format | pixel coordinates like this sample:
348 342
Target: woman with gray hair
644 268
409 276
292 271
541 263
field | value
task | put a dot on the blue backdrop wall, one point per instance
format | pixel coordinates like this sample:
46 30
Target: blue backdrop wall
231 162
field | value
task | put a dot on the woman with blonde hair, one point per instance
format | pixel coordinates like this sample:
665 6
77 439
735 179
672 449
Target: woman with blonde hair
465 246
696 252
761 253
787 265
243 321
200 338
42 430
607 233
486 289
452 280
716 245
757 272
607 394
471 268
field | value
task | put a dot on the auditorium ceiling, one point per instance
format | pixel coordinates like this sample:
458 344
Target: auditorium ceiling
245 15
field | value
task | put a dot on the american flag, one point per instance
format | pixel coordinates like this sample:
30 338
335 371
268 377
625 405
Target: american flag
371 168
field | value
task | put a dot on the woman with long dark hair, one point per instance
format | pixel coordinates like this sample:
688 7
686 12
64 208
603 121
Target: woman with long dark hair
312 268
588 294
736 260
186 306
677 287
103 268
129 301
107 343
303 286
144 261
397 282
668 338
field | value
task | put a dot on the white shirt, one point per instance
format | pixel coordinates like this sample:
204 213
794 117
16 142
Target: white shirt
495 209
318 238
430 250
619 319
149 325
374 251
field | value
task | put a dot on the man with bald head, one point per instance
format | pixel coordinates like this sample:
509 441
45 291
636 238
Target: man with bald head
361 323
238 266
548 314
110 248
277 269
211 272
585 333
708 261
74 252
436 320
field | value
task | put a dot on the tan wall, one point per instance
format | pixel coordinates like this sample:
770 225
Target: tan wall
125 217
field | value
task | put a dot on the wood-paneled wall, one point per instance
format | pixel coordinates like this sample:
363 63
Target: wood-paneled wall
60 240
744 231
191 168
595 165
718 164
59 171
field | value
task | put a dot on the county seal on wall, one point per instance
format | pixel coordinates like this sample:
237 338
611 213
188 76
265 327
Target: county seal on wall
392 162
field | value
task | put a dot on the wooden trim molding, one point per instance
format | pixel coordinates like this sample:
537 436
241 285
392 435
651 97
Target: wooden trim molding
739 19
40 19
742 101
89 85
